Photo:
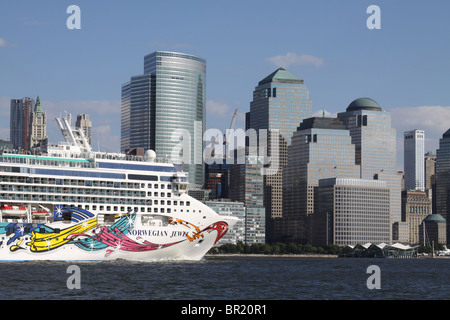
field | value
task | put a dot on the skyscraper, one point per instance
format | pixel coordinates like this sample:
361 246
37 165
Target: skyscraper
414 160
321 148
38 127
442 195
375 142
246 184
165 105
280 102
20 122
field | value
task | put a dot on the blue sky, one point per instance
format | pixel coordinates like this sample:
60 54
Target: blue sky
404 66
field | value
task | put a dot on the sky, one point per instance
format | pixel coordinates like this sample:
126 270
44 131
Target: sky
404 65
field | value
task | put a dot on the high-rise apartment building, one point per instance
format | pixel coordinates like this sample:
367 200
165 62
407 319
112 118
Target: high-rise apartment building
375 143
165 108
414 160
280 102
321 148
85 125
442 194
20 114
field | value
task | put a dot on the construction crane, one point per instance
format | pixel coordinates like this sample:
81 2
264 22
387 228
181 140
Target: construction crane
227 137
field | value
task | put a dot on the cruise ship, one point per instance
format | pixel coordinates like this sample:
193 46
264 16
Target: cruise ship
73 204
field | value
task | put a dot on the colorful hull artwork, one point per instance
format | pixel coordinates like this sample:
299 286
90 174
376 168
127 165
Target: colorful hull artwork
124 238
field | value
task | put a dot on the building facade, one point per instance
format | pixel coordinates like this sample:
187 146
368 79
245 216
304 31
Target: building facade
38 128
351 212
442 194
19 124
321 148
85 125
280 103
416 206
414 160
165 108
375 143
246 185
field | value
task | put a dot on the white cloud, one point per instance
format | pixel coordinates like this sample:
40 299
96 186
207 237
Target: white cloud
291 58
91 107
3 42
105 138
217 109
435 120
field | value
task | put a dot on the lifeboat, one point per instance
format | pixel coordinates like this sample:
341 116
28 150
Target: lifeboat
13 210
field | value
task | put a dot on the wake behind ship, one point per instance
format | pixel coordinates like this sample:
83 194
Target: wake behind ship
73 204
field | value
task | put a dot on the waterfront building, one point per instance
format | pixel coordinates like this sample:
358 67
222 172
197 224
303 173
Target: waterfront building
19 123
443 178
246 185
351 211
280 102
414 160
375 143
321 148
224 207
85 125
38 128
416 206
432 230
165 107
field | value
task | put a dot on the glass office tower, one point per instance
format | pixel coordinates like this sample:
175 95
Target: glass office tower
442 196
280 101
375 142
414 160
321 148
169 98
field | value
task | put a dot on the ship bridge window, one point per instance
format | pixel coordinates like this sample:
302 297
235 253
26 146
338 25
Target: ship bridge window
142 177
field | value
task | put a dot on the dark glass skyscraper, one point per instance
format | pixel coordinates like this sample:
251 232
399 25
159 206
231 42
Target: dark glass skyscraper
442 196
168 99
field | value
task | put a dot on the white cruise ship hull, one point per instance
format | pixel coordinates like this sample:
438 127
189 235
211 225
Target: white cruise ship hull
127 237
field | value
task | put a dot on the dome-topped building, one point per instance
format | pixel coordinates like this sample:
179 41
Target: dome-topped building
364 104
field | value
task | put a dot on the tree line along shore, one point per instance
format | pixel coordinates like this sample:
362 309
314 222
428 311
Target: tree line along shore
280 248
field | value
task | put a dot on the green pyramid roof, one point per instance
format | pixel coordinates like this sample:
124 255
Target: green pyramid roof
38 108
281 75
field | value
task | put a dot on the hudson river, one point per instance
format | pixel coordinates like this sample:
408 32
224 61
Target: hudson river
229 278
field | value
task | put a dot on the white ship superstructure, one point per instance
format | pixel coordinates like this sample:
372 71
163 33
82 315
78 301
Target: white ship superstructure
75 204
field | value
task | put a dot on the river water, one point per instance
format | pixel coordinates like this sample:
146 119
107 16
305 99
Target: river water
228 278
